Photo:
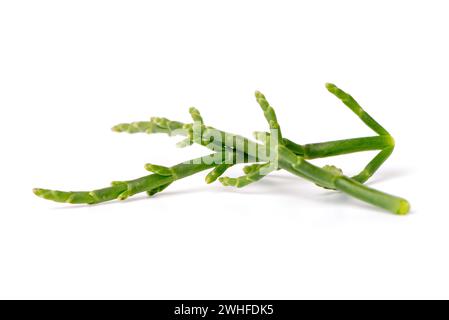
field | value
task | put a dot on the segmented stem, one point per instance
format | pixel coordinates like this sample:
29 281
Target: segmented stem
151 183
350 102
269 113
214 139
335 180
232 149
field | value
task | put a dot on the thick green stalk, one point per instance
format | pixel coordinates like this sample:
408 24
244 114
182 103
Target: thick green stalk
340 147
294 147
333 148
378 198
334 180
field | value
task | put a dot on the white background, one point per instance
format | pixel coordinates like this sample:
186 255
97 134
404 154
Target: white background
69 70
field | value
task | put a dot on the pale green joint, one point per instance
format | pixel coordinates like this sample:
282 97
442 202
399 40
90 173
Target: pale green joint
152 192
160 170
335 171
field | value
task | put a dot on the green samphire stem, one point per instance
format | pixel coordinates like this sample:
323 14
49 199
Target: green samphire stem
272 152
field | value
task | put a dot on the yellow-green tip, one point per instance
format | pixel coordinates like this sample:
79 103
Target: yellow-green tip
117 128
261 100
38 192
210 178
48 194
331 87
404 208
